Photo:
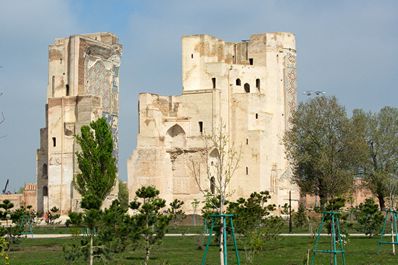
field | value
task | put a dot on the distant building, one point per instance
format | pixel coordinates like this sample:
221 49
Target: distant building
354 198
83 85
24 199
248 86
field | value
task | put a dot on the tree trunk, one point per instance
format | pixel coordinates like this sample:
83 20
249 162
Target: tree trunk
221 243
322 200
381 202
91 249
222 262
147 254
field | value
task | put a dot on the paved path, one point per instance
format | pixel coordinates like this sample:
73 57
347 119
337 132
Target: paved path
189 235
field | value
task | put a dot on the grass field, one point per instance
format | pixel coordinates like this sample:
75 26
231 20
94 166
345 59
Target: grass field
184 251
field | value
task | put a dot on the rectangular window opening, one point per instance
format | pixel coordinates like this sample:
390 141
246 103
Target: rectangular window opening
256 116
52 84
247 141
258 83
251 61
67 90
201 126
214 82
54 141
247 170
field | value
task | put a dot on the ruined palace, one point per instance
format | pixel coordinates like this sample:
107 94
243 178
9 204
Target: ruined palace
83 85
247 87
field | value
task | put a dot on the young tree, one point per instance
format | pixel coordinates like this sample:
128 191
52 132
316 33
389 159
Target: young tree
115 227
218 161
300 218
7 205
98 172
369 217
3 250
52 215
253 221
12 231
320 148
74 219
150 221
176 211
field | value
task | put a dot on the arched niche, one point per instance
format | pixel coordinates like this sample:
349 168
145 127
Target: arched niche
213 162
175 137
214 153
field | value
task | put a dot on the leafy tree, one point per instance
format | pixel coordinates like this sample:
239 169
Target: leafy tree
321 149
98 173
285 209
74 219
3 250
380 134
335 204
10 230
369 217
52 215
7 205
115 227
149 220
176 211
253 221
96 163
19 217
300 218
22 218
123 195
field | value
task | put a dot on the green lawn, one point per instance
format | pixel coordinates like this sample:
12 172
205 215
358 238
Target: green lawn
184 251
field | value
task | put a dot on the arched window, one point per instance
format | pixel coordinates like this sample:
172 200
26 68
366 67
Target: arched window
45 170
45 191
258 84
212 185
247 88
238 82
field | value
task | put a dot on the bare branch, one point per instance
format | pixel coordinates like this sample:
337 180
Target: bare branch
221 160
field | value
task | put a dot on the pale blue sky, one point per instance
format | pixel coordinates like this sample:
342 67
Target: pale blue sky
346 48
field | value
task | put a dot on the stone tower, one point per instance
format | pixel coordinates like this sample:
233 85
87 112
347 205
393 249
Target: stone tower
250 88
83 85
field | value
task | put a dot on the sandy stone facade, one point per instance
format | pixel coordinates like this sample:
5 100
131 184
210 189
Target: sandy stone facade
250 88
83 85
